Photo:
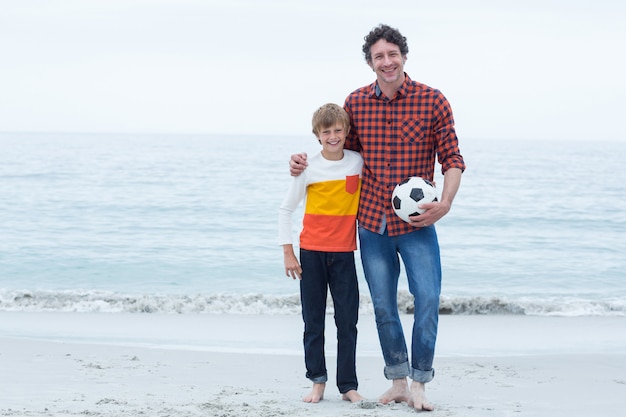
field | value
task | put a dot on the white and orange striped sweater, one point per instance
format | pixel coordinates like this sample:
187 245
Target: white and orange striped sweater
332 190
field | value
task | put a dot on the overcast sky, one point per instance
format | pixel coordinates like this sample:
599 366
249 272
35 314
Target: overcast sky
534 69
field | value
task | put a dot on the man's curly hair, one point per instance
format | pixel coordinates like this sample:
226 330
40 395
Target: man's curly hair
387 33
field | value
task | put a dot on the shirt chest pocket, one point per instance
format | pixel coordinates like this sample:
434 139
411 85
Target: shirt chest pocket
413 130
352 184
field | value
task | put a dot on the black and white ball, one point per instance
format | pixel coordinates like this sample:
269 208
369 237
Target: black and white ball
409 194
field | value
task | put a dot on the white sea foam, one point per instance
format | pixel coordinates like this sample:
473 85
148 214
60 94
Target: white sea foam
108 302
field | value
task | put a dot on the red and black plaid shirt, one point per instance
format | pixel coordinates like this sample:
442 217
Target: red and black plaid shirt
398 138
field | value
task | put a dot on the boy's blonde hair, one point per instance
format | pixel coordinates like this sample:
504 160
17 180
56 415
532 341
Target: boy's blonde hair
327 116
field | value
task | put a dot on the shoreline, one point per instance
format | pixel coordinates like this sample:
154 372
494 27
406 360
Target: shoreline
58 364
459 335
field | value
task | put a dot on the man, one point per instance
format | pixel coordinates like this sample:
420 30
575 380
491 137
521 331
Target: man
400 126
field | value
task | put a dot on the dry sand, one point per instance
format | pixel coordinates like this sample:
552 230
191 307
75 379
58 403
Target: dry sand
85 364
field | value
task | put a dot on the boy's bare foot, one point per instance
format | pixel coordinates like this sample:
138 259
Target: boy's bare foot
352 396
316 395
398 392
417 397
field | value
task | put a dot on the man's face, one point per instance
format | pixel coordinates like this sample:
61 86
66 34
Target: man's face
387 62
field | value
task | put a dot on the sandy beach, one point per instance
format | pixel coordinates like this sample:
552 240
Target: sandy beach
71 364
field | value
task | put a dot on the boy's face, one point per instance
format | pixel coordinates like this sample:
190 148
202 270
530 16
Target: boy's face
332 139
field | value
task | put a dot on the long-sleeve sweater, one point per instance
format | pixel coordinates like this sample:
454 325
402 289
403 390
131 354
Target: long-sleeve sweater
331 190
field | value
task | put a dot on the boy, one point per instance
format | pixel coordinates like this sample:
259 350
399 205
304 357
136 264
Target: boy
331 185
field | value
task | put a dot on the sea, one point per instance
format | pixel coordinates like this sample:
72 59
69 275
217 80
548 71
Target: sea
187 224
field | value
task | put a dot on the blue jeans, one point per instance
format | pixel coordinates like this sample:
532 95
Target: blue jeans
420 253
321 271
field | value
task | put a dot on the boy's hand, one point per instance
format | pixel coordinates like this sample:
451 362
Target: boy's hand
297 164
292 266
293 270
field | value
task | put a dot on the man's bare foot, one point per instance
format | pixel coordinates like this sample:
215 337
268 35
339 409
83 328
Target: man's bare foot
418 399
316 395
352 396
398 392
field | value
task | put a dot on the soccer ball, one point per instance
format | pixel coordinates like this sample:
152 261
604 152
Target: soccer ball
409 194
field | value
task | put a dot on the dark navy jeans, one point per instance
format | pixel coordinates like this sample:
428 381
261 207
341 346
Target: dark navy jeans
321 271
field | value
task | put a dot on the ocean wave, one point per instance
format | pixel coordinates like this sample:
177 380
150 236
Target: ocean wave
111 302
